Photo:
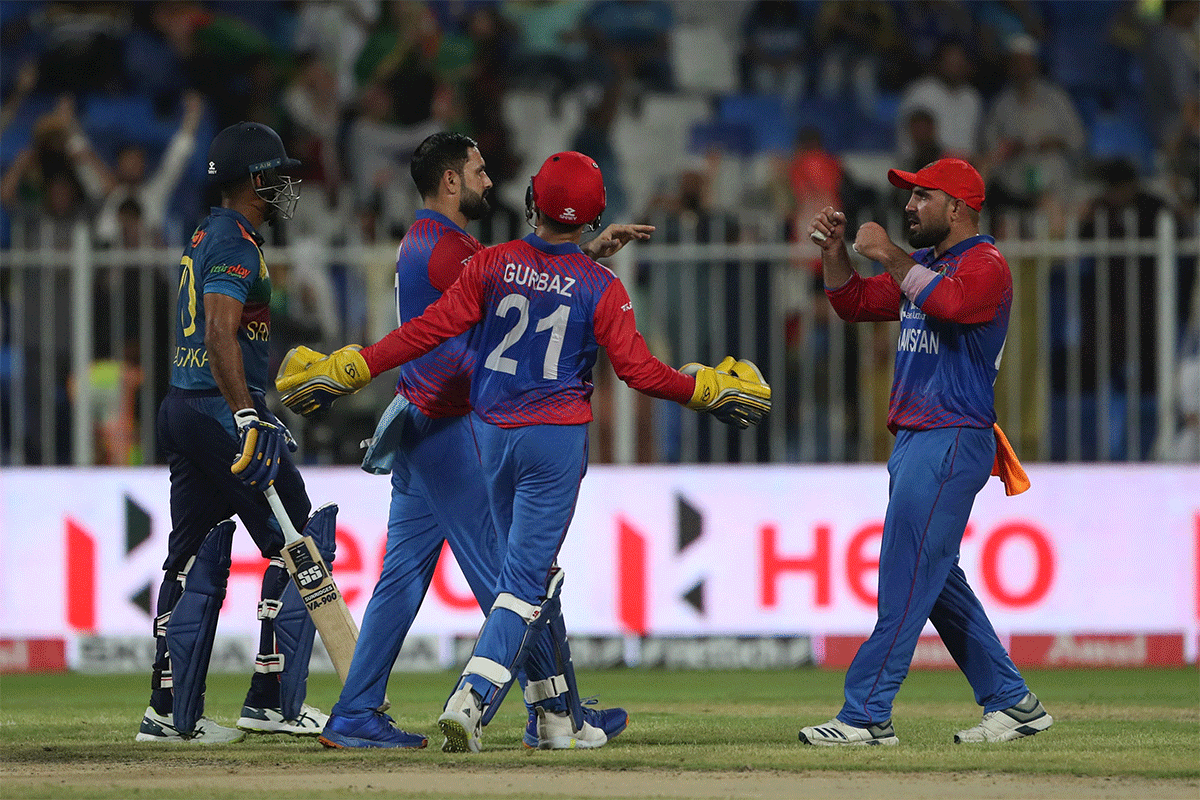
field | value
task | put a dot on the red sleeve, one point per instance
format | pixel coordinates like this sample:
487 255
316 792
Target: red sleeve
616 331
449 256
875 299
973 293
454 312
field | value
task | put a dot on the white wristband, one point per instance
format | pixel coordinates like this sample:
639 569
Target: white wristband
243 417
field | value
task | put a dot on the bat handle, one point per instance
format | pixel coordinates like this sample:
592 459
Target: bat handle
290 534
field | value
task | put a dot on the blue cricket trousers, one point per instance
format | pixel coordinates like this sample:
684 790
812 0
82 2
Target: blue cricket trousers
935 476
533 475
438 494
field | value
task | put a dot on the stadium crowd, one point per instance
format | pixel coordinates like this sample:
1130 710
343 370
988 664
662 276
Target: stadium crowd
1065 107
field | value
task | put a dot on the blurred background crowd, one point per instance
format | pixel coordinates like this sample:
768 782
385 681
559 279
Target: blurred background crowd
723 121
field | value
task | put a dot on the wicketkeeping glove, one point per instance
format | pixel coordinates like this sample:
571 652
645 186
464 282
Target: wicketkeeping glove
260 450
308 380
734 391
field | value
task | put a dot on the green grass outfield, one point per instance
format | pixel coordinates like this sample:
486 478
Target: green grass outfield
1142 724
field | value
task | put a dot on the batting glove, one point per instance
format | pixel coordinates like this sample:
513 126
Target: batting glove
260 450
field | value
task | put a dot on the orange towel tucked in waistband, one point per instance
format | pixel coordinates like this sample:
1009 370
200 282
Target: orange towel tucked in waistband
1007 466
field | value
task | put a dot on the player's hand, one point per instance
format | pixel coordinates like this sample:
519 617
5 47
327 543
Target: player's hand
308 381
260 449
614 237
734 391
828 228
873 242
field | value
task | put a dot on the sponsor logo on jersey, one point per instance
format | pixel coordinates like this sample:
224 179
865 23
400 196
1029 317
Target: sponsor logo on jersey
237 270
918 340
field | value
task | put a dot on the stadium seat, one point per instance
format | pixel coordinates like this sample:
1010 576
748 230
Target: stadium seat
1113 136
704 59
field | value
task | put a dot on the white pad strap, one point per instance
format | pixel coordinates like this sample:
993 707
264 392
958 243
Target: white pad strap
166 680
536 691
269 609
268 662
526 611
160 624
491 671
277 561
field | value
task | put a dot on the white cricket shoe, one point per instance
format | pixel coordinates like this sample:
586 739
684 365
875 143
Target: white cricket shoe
1024 719
461 723
158 728
835 732
309 722
556 731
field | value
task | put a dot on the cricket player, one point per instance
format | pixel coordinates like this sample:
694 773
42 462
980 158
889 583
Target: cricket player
543 309
438 493
952 297
224 448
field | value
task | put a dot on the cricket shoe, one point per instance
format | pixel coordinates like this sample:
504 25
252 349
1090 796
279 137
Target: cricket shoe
612 721
556 731
835 732
461 722
308 722
158 728
376 730
1024 719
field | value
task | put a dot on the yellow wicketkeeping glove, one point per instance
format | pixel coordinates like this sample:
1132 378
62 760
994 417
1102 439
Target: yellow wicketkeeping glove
734 391
309 380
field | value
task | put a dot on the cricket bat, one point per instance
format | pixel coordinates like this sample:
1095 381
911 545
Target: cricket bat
320 594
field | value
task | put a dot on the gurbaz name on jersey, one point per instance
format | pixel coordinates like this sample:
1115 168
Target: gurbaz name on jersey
522 275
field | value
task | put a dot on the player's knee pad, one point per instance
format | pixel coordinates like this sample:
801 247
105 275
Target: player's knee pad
192 625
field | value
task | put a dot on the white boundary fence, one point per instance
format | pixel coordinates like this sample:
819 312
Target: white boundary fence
730 284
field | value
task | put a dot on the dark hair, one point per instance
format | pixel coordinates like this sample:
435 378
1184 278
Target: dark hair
559 228
435 155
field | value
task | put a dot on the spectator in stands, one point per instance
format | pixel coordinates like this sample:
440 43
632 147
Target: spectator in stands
399 57
1171 66
26 82
1132 306
946 92
1034 138
774 58
335 32
924 25
1182 154
594 138
998 22
57 178
815 177
859 41
483 93
314 118
926 146
152 193
632 38
550 53
377 150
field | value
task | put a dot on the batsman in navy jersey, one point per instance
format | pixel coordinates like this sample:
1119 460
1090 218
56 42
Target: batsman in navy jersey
224 447
952 297
439 494
541 309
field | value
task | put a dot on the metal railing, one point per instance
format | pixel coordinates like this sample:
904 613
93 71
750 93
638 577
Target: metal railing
1087 375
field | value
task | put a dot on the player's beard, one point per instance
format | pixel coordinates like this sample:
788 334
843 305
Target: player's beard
926 234
473 205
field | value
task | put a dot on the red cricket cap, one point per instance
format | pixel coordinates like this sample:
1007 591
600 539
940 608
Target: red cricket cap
953 176
569 188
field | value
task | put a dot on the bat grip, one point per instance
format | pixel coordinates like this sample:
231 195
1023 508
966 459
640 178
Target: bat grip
290 534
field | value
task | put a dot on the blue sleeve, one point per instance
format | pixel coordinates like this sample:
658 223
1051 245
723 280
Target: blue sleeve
230 267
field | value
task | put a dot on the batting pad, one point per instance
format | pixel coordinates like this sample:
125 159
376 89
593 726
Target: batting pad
193 624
